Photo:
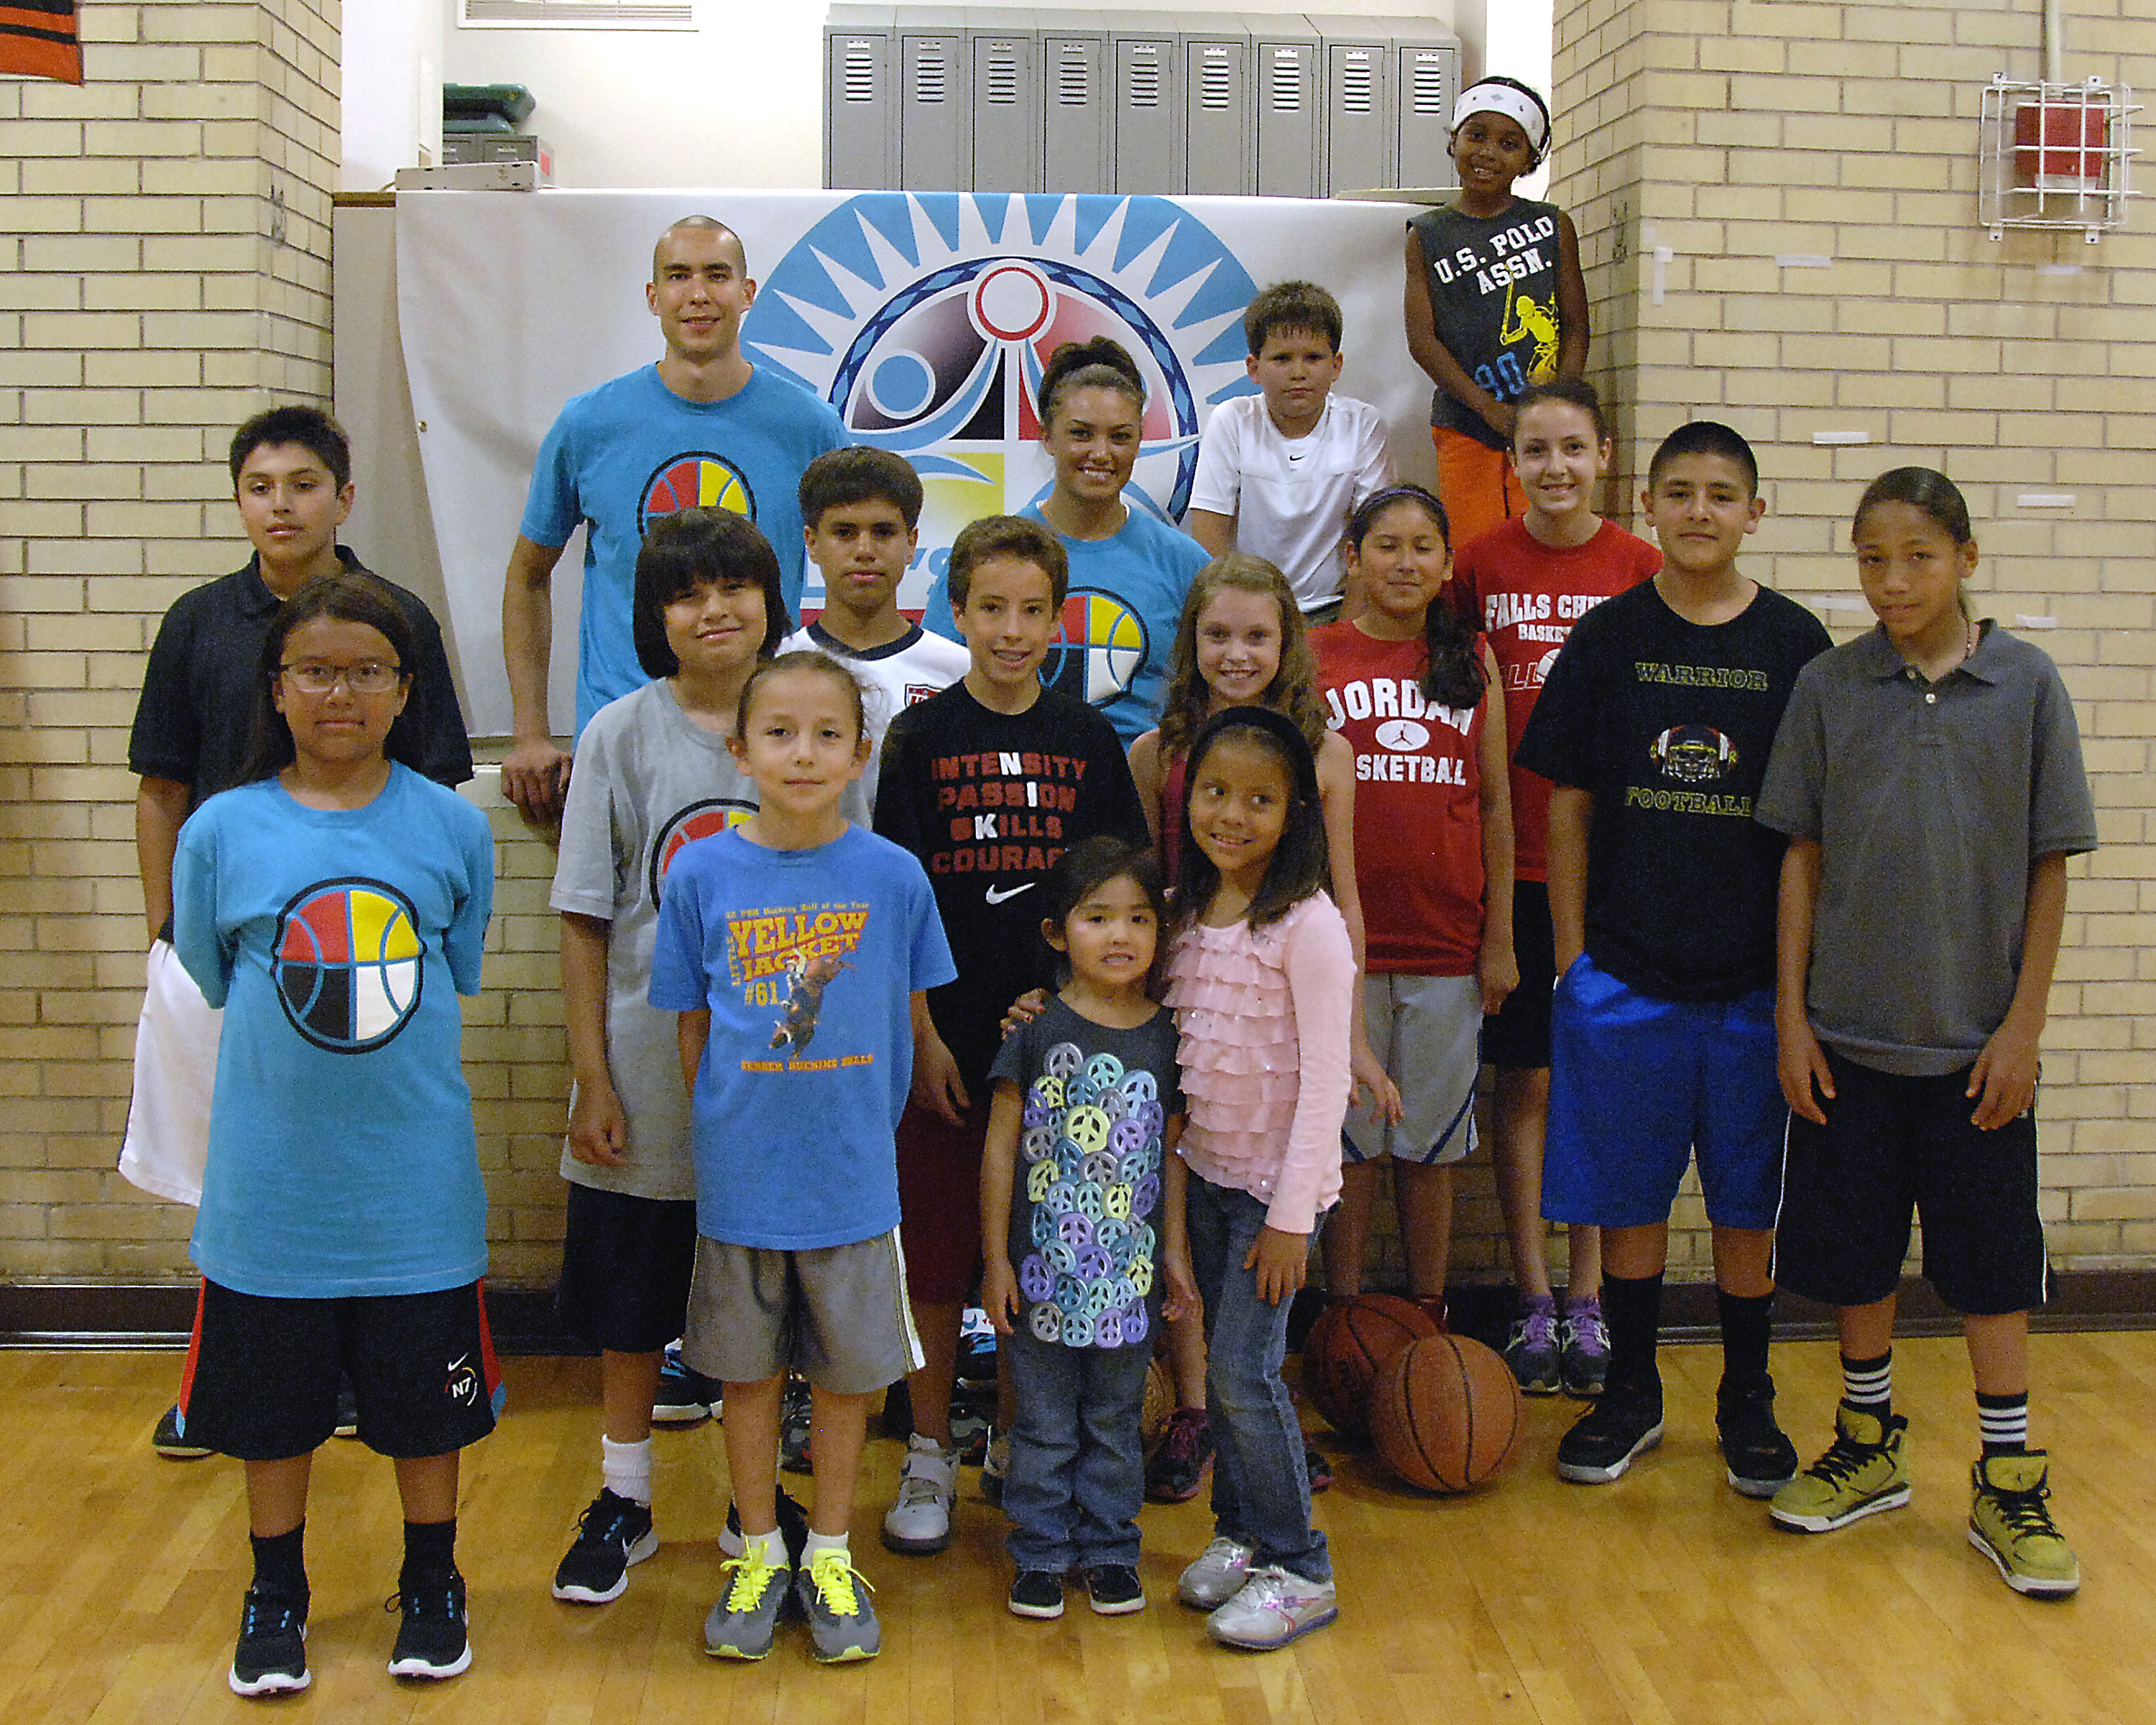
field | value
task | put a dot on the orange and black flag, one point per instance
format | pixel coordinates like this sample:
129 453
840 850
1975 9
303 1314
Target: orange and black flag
38 39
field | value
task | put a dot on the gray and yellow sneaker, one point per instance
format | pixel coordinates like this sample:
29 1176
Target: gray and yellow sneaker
1863 1471
2008 1523
833 1596
746 1618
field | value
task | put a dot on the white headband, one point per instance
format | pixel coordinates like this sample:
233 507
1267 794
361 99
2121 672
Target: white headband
1502 99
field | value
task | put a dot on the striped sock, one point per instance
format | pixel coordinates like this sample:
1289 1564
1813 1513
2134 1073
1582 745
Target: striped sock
1867 1385
2003 1422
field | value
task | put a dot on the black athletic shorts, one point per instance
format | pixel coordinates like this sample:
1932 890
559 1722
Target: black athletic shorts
626 1265
262 1374
1894 1144
1516 1037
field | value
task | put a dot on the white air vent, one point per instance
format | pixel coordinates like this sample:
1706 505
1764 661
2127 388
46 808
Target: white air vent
1145 77
1073 78
858 82
1002 76
931 74
1428 83
1357 85
1216 81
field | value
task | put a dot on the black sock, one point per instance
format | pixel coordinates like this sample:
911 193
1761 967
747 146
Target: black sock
1746 1321
2004 1423
1632 1307
430 1551
280 1567
1867 1385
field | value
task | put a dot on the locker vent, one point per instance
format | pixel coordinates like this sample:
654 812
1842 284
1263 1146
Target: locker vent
1073 81
1002 76
1145 77
931 74
1356 84
1284 89
1216 82
1429 83
859 82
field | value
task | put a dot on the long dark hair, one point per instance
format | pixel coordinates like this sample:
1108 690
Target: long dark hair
1452 673
345 595
1300 863
1088 865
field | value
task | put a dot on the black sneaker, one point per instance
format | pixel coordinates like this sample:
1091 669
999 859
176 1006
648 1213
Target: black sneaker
793 1421
1760 1457
792 1529
1037 1593
271 1658
168 1442
431 1642
613 1533
347 1411
1317 1468
1116 1590
1604 1440
684 1396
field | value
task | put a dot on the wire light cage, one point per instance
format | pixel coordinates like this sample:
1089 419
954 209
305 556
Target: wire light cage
2056 155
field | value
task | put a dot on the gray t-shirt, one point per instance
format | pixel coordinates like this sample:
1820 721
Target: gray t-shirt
1929 802
649 780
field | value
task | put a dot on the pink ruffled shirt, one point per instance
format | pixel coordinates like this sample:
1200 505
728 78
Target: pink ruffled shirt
1264 1014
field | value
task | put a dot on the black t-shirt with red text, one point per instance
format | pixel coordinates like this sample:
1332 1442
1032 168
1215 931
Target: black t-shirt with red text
987 802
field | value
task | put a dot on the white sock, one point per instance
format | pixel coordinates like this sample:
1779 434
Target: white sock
821 1541
626 1469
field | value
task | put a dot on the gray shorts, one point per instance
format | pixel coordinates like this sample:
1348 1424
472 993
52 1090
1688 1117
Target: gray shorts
1426 1032
837 1315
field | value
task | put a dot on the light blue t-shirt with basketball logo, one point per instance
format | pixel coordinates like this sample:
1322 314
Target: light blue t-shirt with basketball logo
342 1158
632 450
1127 594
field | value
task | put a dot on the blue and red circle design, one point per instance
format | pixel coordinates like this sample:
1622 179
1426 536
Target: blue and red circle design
349 963
696 478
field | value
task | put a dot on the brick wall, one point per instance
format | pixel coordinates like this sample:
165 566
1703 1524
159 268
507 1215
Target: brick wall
1731 133
165 258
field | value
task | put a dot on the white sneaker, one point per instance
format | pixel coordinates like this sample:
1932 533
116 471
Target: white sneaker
1218 1575
1275 1606
919 1524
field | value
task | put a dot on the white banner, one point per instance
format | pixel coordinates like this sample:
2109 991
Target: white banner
924 318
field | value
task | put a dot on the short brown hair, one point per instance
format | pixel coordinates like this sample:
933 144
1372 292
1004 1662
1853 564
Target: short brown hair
1018 537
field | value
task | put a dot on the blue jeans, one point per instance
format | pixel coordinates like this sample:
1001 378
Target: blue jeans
1261 1489
1076 1478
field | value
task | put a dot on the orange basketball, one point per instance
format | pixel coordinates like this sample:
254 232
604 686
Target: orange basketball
1363 1335
1445 1413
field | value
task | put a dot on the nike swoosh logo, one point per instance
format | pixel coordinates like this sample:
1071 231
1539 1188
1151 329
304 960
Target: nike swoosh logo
997 896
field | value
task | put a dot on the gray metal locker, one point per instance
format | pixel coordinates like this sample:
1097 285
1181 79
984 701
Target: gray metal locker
1003 73
1077 120
1289 105
1425 85
1359 132
934 111
1149 136
861 114
1217 104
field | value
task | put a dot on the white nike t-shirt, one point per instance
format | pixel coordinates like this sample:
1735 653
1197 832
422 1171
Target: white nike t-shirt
1292 497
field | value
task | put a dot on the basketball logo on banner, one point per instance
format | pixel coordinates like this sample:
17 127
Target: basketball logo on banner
926 320
698 478
349 963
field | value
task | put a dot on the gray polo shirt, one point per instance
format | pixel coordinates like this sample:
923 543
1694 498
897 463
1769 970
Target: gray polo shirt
1929 802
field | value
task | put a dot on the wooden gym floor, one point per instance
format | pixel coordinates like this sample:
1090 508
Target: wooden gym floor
1663 1598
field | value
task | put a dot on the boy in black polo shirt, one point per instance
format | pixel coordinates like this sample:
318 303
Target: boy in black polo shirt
291 475
987 782
1655 727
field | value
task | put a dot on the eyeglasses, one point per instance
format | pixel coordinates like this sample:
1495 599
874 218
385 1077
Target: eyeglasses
371 678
